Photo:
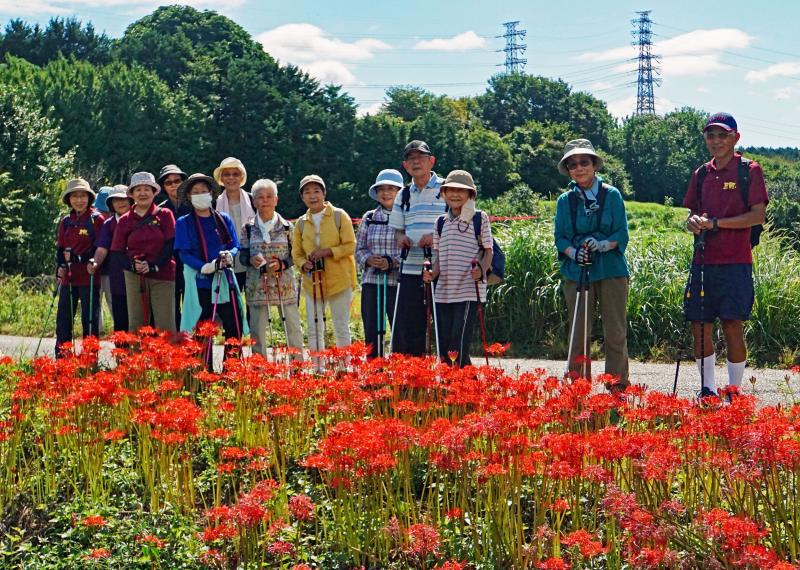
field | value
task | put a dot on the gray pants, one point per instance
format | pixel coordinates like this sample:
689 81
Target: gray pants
258 317
160 298
613 296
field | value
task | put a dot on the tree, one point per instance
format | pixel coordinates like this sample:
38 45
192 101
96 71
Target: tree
61 38
660 153
537 148
514 99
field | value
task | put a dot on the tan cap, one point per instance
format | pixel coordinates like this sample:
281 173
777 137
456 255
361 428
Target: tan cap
312 178
460 179
77 185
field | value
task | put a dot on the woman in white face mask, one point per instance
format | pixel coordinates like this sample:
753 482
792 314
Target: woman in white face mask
206 242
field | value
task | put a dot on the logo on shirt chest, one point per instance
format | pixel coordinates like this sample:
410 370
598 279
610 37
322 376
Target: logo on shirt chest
83 232
729 186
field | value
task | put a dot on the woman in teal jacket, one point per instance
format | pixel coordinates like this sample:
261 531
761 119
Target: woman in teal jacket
591 234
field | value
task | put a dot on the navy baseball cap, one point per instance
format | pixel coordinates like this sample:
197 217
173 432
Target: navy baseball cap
416 145
724 120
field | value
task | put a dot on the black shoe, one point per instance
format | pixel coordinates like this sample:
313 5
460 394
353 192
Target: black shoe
707 392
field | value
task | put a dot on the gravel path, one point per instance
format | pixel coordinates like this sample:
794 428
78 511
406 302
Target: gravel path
770 384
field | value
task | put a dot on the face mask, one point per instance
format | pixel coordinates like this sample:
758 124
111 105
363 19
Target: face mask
201 201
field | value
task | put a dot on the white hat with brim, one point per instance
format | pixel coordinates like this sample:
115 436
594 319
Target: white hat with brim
387 177
579 146
78 185
230 162
460 179
143 179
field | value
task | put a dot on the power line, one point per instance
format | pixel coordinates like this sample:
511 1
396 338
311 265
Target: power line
514 62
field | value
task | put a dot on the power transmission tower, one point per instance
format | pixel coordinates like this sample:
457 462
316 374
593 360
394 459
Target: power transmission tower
648 64
513 50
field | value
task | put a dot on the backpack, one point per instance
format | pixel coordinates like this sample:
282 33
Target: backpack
369 221
88 224
249 230
405 197
743 183
497 272
337 219
573 208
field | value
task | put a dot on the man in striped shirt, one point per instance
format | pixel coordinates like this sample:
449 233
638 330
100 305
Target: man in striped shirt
414 220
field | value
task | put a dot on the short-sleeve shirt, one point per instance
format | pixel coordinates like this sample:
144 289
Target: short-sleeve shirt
147 240
722 198
457 248
424 207
112 263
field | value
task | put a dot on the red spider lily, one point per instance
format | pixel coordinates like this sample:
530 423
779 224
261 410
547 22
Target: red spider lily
586 543
281 548
454 513
451 565
734 532
301 508
555 563
423 541
98 553
93 521
497 349
151 540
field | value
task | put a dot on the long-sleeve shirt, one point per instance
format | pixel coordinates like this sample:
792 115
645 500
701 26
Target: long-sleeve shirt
376 237
188 245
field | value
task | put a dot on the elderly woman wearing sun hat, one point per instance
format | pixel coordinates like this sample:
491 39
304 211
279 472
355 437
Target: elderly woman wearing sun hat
236 202
591 234
75 247
378 254
144 236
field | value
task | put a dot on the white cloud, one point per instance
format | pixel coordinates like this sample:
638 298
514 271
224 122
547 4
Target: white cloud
303 43
315 52
369 109
61 7
460 42
693 53
776 70
783 93
702 89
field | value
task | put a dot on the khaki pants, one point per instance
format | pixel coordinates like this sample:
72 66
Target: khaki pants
160 299
258 317
613 296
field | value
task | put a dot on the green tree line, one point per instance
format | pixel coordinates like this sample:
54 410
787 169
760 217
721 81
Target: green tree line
192 87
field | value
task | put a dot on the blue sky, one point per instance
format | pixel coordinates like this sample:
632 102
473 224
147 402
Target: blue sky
738 56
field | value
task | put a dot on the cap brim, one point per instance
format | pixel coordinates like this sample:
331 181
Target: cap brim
721 125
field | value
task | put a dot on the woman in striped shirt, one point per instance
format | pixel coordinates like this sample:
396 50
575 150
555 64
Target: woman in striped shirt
378 254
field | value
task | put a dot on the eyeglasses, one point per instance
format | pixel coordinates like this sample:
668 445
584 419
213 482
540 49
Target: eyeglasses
583 163
721 135
171 181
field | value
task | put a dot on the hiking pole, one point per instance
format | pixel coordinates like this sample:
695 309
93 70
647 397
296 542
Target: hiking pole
583 278
56 291
701 243
281 309
403 256
234 299
381 322
427 266
265 289
320 267
91 299
316 314
586 328
210 350
480 315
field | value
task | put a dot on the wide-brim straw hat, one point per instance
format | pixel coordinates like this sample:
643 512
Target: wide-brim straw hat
183 189
579 146
78 185
460 179
230 162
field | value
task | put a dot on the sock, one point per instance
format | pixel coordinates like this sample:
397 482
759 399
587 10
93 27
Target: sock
736 372
708 375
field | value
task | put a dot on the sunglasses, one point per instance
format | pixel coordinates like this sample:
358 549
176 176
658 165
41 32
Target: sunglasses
583 163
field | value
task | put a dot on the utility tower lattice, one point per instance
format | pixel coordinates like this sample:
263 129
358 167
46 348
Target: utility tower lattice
513 50
648 64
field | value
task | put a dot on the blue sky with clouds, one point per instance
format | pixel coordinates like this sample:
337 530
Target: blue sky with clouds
739 56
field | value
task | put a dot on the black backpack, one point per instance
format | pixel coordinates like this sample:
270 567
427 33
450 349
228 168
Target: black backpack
573 208
497 272
405 197
743 183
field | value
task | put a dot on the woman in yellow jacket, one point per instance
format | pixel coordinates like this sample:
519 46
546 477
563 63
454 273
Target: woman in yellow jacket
323 248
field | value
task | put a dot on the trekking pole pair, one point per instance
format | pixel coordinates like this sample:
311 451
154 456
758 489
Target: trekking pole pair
380 323
481 318
699 247
403 257
281 312
317 281
582 292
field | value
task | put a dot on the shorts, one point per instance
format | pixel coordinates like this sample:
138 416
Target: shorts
729 293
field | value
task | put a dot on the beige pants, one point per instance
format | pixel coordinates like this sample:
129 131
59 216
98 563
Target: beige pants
259 331
613 296
160 299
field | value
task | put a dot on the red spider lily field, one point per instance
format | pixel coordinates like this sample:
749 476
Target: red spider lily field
395 463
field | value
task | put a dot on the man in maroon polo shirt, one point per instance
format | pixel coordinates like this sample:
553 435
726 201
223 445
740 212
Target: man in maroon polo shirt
145 235
725 213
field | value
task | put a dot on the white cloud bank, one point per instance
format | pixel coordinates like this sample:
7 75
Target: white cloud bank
460 42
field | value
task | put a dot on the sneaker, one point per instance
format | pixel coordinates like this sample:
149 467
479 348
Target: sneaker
707 392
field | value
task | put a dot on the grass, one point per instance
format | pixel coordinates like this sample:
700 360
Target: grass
528 308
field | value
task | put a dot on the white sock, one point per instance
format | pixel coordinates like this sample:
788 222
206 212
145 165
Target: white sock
736 372
708 376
